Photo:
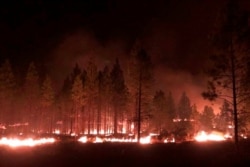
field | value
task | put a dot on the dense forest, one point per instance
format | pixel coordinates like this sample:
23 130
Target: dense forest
122 98
99 102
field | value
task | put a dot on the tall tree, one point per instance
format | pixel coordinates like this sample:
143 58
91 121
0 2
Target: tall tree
229 60
32 94
184 107
171 111
195 118
207 118
159 115
91 95
104 100
7 93
225 117
47 102
65 103
184 112
119 94
78 98
141 82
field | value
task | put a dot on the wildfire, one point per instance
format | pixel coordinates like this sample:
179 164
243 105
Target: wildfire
84 139
14 142
213 136
143 140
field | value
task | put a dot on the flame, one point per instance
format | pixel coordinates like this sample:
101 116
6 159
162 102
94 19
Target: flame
145 140
213 136
83 139
57 131
14 142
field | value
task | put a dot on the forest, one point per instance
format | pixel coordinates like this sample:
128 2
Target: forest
102 102
122 99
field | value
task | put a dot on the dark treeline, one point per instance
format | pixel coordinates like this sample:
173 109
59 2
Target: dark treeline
105 101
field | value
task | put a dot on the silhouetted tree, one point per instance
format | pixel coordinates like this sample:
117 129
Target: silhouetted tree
225 117
64 101
207 118
47 102
171 112
119 94
7 93
104 100
195 119
91 88
159 115
32 96
229 60
184 111
78 98
141 82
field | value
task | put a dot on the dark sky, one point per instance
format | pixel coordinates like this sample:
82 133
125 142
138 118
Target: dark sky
57 34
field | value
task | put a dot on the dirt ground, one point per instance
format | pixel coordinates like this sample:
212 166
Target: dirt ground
129 154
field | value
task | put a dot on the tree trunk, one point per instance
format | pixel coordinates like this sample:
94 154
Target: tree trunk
139 109
115 119
234 95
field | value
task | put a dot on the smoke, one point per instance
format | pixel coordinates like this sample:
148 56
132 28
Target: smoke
178 81
80 46
77 48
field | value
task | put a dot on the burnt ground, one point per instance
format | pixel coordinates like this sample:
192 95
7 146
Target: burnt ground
129 154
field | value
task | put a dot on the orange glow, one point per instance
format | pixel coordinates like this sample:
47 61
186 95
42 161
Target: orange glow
169 141
213 136
121 140
57 131
98 140
150 139
83 139
145 140
14 142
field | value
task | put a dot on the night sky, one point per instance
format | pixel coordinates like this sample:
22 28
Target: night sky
57 34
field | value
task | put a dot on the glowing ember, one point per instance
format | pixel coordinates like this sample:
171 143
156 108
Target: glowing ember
14 142
213 136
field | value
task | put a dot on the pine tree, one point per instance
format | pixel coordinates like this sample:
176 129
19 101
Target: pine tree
207 118
159 116
184 108
91 95
225 117
104 100
32 94
118 93
47 102
183 127
195 118
171 111
78 98
140 87
64 101
7 93
230 60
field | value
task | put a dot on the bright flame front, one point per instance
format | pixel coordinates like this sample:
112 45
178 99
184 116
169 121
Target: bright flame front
14 142
213 136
